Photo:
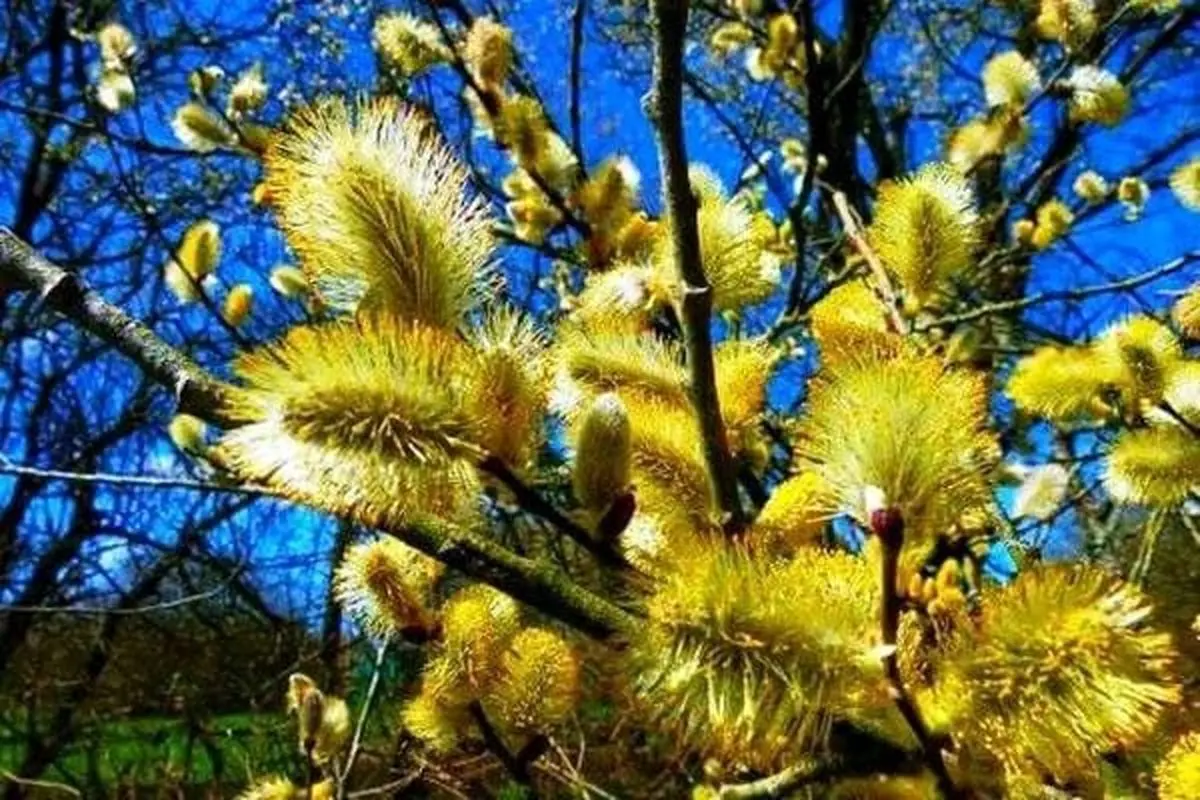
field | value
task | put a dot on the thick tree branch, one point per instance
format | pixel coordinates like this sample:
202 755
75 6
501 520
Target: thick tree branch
531 582
22 269
665 108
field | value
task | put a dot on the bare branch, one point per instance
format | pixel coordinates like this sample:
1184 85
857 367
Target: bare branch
665 109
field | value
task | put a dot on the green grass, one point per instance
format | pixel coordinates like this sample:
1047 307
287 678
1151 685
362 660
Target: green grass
155 751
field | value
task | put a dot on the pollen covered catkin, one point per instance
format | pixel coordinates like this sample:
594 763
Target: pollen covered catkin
602 453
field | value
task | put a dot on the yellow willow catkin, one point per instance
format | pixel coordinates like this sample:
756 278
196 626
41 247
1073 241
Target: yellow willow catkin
539 683
1060 669
1178 774
238 304
377 209
603 454
386 585
925 231
200 129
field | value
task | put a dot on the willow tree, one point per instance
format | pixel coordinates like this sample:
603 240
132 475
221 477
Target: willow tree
627 565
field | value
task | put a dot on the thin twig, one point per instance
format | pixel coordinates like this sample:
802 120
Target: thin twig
139 481
883 283
368 701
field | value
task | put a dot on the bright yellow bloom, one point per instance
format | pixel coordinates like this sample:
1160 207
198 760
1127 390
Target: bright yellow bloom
199 250
609 196
273 788
1186 312
1054 219
249 92
511 380
1009 79
1157 466
1141 351
375 206
478 624
437 721
636 366
849 320
730 248
1178 774
365 418
488 52
386 586
1063 384
115 90
408 44
188 433
238 304
289 281
1185 183
200 129
745 658
729 37
669 468
925 231
117 45
1097 96
743 368
539 683
1069 22
1060 669
602 454
1091 187
906 425
793 517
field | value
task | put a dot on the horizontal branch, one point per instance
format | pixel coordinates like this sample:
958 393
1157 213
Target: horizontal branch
539 585
1066 295
23 269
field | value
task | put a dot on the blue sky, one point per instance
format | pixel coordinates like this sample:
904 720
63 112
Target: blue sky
613 123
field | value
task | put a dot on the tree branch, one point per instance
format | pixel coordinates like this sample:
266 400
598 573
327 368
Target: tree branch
22 269
538 585
665 109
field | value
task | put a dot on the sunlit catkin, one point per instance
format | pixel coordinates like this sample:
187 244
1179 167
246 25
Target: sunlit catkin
408 44
1097 96
488 52
117 45
1053 220
744 658
376 208
1141 351
249 92
538 685
1009 79
1090 187
1185 183
238 304
602 454
273 788
478 623
199 250
365 417
386 586
1158 467
925 231
1133 192
793 517
1060 669
289 281
200 129
1064 384
511 376
1178 774
115 90
188 433
1071 23
906 425
1186 312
